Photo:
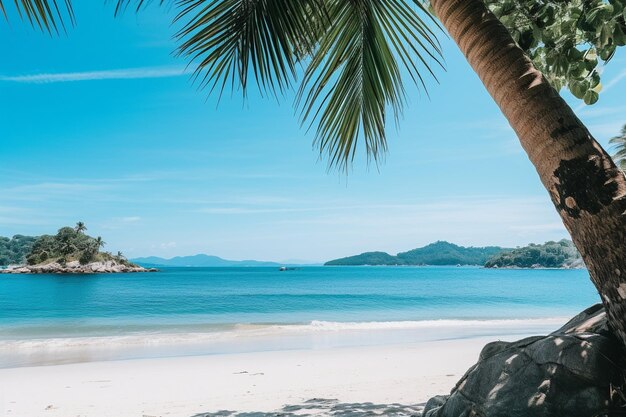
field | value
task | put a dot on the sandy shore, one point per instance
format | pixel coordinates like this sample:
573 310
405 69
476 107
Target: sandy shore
265 381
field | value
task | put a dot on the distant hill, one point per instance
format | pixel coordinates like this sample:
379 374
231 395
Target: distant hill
367 258
13 251
561 254
438 253
445 253
199 260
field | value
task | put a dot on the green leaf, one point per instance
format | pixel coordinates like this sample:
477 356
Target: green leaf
619 37
574 54
561 30
606 34
597 88
591 97
607 53
578 89
577 70
591 55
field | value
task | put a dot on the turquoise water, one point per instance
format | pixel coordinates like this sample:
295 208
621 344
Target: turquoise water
222 296
46 319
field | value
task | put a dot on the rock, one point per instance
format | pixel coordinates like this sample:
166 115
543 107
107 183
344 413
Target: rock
435 402
73 264
571 372
74 267
50 267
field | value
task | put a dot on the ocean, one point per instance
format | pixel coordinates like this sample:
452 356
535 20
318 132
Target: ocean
49 319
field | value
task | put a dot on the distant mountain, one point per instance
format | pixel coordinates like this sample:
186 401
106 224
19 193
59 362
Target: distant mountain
438 253
197 261
561 254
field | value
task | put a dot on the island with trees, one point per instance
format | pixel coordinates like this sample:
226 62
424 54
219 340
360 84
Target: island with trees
70 250
438 253
561 254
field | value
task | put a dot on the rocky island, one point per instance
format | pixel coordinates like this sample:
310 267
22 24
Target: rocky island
70 251
562 255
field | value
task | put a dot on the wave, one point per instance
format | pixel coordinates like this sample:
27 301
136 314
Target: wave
317 325
443 327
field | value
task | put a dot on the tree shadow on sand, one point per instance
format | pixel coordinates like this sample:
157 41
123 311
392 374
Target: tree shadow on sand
319 407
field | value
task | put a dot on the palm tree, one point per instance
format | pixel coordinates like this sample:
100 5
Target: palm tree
355 53
80 227
620 149
120 255
585 185
99 242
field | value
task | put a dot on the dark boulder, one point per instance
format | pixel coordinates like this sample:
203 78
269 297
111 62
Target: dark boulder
574 371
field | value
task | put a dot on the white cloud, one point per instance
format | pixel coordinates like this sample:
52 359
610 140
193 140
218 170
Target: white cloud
249 210
52 190
116 74
130 219
614 81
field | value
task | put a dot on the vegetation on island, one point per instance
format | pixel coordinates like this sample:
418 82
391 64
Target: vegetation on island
366 258
13 251
438 253
71 244
445 253
561 254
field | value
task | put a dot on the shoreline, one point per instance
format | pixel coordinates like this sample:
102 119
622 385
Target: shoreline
407 373
19 348
75 267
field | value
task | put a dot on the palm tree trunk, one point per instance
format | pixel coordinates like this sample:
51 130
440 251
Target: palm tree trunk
586 187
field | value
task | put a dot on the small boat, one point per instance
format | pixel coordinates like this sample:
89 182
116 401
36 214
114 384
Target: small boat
282 268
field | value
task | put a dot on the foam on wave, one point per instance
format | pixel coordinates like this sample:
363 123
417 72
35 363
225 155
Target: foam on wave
146 338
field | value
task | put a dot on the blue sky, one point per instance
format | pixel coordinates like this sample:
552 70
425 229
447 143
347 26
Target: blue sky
103 125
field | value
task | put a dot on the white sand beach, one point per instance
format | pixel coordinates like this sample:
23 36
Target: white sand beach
408 374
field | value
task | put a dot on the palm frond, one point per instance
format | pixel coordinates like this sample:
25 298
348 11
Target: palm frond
122 5
231 39
355 75
47 15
